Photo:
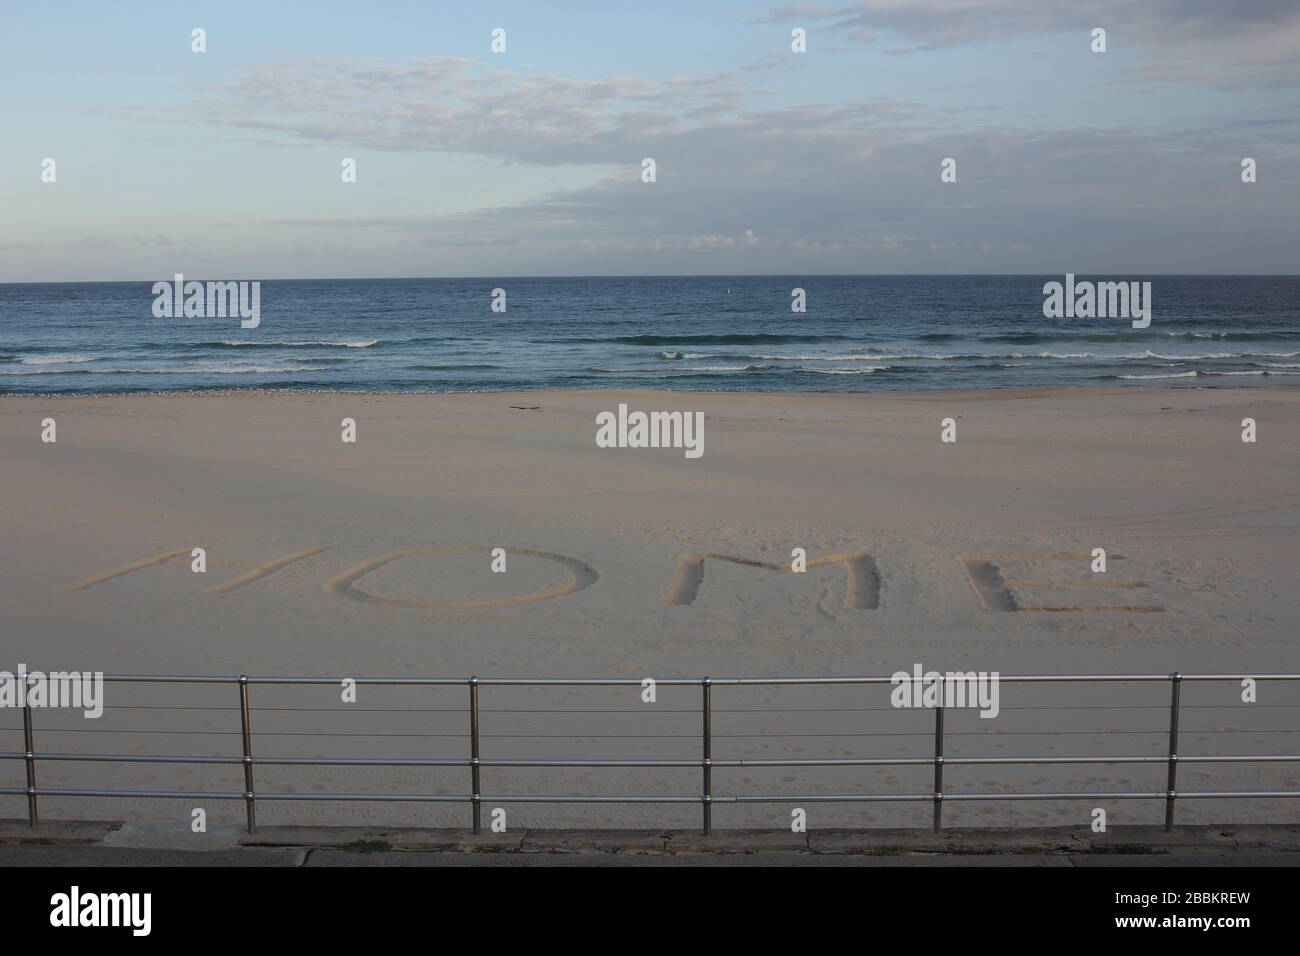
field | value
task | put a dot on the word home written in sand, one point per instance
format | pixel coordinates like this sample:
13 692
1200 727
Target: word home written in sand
996 589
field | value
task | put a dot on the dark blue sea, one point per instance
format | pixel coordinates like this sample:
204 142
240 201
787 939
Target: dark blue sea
865 333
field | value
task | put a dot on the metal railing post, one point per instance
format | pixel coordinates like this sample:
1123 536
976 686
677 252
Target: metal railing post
246 732
1171 791
29 753
476 796
706 710
938 761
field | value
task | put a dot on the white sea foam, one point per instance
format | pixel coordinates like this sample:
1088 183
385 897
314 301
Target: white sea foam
56 359
323 343
1256 372
178 370
861 370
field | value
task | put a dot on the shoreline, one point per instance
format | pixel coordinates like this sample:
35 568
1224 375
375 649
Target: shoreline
1010 392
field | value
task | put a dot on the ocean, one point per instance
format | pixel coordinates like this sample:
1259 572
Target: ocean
859 333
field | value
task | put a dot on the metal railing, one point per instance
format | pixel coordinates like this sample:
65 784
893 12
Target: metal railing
706 762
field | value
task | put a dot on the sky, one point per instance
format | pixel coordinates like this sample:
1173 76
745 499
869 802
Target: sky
227 164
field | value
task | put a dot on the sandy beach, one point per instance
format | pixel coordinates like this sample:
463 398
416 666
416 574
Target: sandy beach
374 557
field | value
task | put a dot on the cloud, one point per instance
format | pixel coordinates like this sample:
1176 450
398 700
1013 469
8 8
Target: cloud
1255 43
450 104
748 182
844 199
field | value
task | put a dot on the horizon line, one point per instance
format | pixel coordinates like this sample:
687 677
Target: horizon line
717 275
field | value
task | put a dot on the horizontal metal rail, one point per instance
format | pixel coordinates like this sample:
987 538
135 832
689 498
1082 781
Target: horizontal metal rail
563 762
660 798
661 681
706 763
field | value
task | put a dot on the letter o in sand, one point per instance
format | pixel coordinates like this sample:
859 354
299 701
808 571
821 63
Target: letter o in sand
578 576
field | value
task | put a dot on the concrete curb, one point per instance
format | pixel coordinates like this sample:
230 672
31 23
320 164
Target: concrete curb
1131 840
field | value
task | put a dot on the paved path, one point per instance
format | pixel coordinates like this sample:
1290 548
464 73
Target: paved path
17 855
114 843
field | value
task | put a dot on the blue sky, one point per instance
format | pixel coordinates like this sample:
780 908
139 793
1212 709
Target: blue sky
226 164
